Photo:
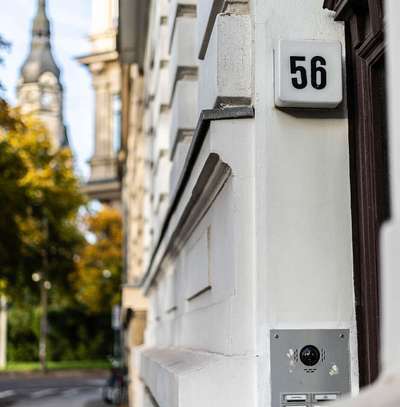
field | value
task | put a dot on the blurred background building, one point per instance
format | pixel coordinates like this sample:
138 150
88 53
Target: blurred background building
102 62
120 160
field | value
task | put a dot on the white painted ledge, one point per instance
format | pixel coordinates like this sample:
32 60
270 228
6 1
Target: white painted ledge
178 163
177 8
225 75
207 11
179 377
161 141
183 60
183 112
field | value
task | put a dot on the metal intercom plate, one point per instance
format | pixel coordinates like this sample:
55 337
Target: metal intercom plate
309 367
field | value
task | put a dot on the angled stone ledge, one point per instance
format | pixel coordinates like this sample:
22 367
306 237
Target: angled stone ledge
206 16
178 9
183 113
161 179
203 125
207 12
225 75
183 60
161 144
171 375
180 154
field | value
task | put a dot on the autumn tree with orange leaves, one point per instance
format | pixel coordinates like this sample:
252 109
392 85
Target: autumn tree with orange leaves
97 280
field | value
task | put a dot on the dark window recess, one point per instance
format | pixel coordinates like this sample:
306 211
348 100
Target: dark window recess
381 138
366 89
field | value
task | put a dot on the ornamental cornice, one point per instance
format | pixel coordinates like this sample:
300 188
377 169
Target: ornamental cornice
344 9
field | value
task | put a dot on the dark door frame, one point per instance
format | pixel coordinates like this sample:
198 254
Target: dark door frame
365 52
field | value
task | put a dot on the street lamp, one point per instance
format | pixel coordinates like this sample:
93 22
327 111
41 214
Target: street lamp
36 277
3 331
45 286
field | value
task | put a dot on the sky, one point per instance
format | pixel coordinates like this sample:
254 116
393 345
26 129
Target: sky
70 25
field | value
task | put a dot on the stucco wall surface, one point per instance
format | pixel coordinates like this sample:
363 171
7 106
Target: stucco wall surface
260 237
303 247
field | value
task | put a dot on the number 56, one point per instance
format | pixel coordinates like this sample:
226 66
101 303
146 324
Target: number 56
318 72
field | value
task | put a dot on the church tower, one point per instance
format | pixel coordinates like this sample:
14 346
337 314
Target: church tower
39 89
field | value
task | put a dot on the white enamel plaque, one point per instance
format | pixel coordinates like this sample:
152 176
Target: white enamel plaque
308 74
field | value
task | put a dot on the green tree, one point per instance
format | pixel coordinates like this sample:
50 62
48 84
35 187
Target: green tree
38 220
12 171
7 118
42 199
97 280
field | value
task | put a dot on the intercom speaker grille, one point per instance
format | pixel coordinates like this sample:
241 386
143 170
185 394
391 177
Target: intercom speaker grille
296 356
323 355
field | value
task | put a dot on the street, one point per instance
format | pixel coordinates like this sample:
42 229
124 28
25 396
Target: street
67 391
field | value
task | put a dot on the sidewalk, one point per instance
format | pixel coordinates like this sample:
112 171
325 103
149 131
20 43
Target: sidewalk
56 389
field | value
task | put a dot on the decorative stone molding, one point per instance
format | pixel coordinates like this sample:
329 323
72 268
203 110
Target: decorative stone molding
225 74
183 63
209 183
184 113
344 9
239 7
171 376
183 8
197 142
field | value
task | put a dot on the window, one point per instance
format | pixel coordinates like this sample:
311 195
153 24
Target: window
116 108
115 13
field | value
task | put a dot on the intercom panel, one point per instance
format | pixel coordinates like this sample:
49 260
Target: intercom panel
309 367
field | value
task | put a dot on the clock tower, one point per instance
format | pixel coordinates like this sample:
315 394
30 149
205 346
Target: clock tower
39 88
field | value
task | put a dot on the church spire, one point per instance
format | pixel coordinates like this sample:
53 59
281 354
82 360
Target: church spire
40 58
41 23
39 88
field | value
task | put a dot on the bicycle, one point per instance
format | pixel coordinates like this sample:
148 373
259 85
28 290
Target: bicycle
115 389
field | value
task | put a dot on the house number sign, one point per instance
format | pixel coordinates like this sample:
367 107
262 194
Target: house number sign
308 74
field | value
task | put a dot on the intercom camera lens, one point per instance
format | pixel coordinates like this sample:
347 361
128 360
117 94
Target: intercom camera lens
310 355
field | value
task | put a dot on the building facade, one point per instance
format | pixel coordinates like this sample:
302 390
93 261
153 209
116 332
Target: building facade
133 166
40 91
102 63
251 214
116 178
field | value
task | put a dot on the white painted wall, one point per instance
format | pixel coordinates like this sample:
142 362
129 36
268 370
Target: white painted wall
303 248
267 244
202 305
